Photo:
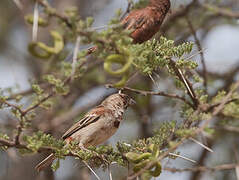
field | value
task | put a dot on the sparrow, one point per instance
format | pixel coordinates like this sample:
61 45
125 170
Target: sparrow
98 125
144 23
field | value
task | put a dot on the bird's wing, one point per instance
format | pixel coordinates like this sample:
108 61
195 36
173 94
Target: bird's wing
89 118
144 23
135 20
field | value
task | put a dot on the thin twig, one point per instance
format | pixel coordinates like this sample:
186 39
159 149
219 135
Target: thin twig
201 52
228 128
159 93
217 104
14 106
27 92
203 168
39 103
46 5
221 11
181 12
127 9
10 144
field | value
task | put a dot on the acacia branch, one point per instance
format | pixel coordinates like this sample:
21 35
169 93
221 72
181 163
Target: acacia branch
186 83
203 168
27 92
228 128
11 144
216 111
53 12
181 12
20 126
217 104
159 93
221 11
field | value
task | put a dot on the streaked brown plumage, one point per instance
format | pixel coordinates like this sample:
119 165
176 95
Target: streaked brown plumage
146 22
96 126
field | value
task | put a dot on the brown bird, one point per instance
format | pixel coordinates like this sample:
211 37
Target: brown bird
96 126
146 22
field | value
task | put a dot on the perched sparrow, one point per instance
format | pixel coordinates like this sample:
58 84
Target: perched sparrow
96 126
146 22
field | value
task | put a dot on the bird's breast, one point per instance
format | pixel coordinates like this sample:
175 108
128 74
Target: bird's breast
98 132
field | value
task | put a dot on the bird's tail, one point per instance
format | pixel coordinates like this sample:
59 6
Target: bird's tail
45 163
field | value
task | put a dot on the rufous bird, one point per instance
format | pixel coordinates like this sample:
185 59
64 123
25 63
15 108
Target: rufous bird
144 23
96 126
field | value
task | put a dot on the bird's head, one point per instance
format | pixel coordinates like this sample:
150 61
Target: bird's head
118 100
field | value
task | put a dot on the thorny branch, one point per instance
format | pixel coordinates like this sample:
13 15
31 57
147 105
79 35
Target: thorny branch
8 143
159 93
216 111
186 83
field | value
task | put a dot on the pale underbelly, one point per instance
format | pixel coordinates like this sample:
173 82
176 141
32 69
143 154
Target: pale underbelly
94 135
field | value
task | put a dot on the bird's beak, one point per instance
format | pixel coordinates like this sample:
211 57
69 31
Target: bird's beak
132 102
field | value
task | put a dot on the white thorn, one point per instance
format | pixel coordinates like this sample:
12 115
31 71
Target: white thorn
177 155
97 177
186 83
110 173
198 52
18 4
154 81
237 172
199 143
35 22
75 54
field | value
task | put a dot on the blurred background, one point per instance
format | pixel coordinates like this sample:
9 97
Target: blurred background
219 37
